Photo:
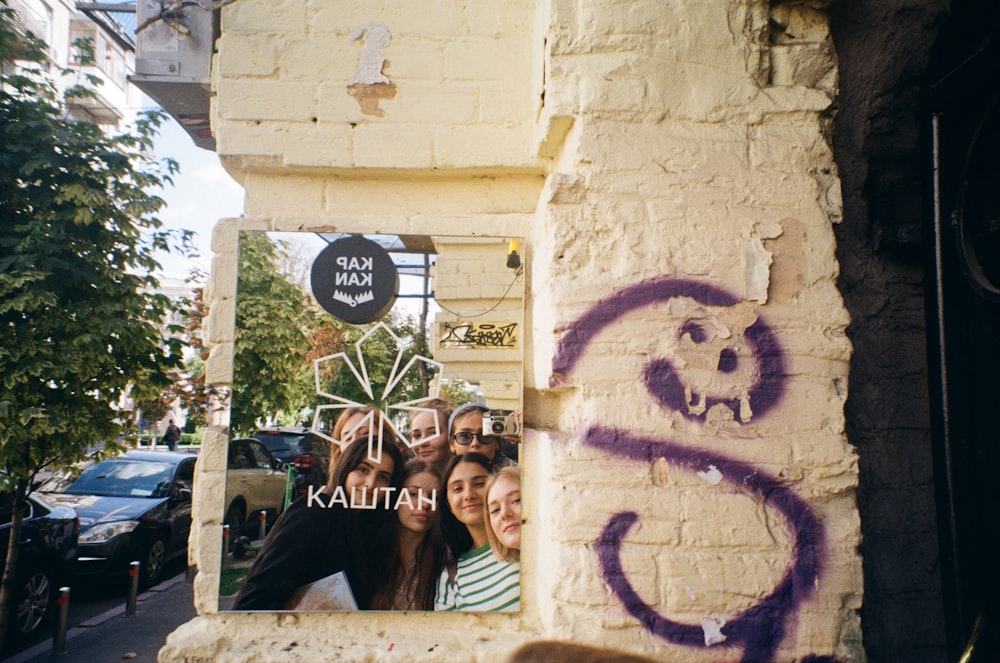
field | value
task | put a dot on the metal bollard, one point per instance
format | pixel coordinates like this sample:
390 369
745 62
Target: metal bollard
263 524
133 588
226 538
62 619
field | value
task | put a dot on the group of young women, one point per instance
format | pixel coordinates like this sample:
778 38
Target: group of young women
461 553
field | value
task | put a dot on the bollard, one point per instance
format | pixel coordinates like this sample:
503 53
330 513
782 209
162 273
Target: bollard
263 524
133 588
226 545
62 619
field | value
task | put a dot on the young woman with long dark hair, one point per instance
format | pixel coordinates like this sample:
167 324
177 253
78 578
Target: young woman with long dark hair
321 534
477 580
419 552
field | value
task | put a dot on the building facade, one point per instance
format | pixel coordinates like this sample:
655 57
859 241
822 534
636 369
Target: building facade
695 250
690 491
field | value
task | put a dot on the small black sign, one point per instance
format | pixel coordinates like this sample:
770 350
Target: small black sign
354 279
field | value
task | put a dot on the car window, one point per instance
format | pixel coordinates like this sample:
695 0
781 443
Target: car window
121 477
185 473
6 510
276 441
262 458
240 457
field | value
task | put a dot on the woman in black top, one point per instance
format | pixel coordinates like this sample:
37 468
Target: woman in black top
321 534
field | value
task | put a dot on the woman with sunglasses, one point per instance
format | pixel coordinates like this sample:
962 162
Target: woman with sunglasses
465 432
476 580
322 534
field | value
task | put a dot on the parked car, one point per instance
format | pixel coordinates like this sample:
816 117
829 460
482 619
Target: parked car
133 507
283 443
46 561
256 481
307 453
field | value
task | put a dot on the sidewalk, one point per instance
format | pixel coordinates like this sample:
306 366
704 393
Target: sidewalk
113 637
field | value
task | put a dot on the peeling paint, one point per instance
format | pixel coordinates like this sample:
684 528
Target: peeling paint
370 85
369 96
376 36
660 472
711 475
758 264
713 631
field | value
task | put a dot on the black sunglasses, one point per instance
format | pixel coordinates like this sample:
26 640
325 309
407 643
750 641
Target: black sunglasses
465 439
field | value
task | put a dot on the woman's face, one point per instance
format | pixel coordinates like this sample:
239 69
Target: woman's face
471 423
368 476
433 442
350 435
419 517
504 506
465 488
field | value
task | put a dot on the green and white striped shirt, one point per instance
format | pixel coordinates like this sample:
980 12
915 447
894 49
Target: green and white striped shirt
482 584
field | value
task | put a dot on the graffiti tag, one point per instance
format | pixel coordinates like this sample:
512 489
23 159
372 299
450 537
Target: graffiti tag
478 335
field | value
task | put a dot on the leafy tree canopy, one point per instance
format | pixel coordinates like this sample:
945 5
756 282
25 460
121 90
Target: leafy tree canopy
270 344
281 331
80 317
79 320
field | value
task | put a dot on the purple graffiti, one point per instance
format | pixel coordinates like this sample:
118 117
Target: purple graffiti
760 629
660 375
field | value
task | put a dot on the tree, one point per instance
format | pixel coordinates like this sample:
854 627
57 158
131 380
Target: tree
269 345
79 315
379 351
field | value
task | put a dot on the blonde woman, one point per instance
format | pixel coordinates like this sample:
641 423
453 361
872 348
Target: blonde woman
503 514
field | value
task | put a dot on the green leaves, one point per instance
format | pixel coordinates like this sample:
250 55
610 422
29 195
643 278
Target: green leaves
79 324
270 344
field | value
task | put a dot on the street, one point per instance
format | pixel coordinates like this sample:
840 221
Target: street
90 598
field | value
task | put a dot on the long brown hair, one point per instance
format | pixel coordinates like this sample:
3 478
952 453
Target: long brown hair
455 533
388 440
429 558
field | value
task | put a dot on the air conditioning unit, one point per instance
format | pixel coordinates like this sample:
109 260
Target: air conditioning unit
173 61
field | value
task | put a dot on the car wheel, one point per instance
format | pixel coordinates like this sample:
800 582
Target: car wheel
235 518
32 603
153 563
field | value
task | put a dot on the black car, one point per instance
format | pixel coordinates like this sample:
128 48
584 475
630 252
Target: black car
46 561
133 507
283 443
305 451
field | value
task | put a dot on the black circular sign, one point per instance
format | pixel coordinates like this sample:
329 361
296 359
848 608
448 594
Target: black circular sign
354 279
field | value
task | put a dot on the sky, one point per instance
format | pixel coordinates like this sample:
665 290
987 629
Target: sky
203 193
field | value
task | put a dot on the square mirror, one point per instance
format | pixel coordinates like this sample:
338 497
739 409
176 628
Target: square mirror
375 424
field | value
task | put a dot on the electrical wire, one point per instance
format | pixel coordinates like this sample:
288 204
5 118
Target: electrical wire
517 275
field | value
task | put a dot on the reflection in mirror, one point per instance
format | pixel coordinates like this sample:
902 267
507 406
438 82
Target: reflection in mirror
375 419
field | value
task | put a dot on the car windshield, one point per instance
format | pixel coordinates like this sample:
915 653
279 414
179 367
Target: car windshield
117 477
276 441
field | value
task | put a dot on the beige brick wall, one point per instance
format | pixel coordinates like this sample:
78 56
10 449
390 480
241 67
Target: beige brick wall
459 93
685 466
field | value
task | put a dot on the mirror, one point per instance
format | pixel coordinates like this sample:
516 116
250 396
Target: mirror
375 418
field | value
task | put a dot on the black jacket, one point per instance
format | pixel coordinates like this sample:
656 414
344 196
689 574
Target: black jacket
310 542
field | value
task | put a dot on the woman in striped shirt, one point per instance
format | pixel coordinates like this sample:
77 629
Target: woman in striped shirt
476 581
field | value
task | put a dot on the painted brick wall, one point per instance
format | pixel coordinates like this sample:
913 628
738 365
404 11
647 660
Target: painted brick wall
689 490
474 285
